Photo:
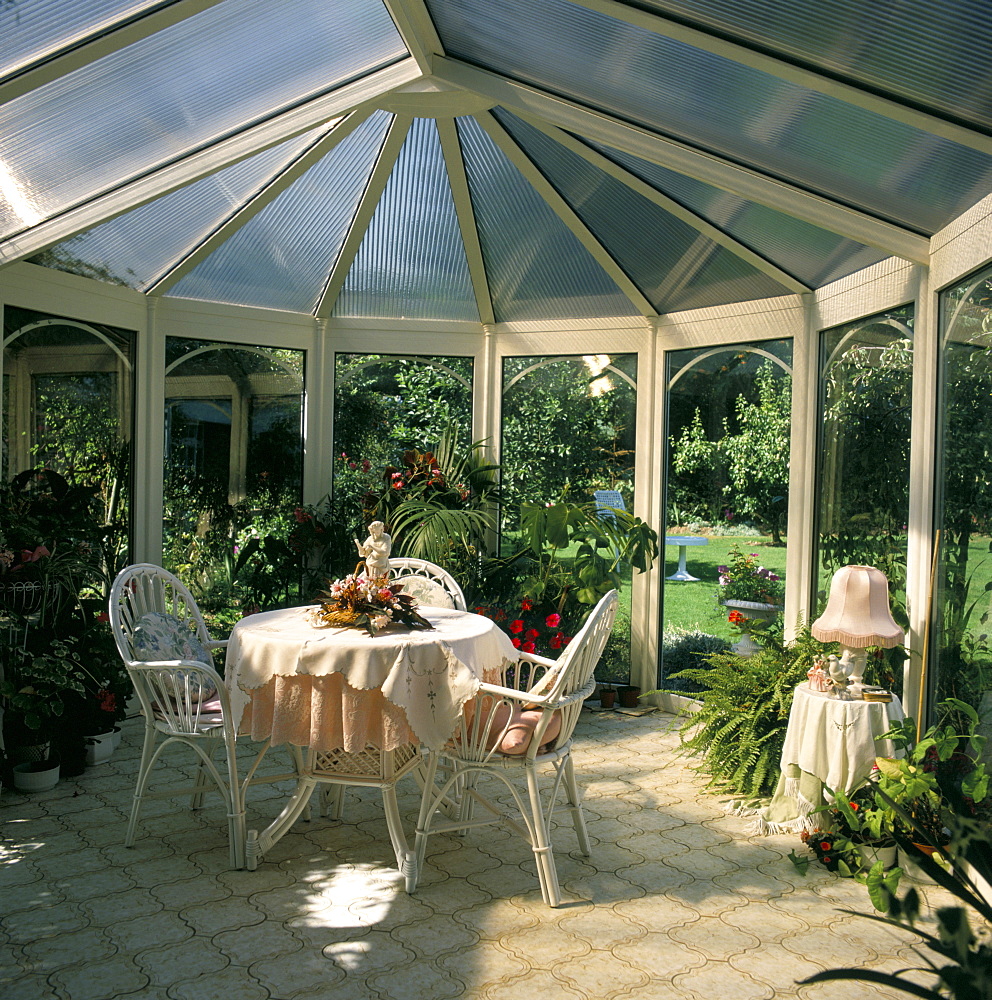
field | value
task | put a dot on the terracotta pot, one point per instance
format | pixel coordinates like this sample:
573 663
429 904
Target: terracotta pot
606 697
628 697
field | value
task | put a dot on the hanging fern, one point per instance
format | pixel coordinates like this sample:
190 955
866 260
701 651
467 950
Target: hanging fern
739 731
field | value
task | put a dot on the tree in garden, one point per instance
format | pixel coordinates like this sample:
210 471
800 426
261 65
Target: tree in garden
752 454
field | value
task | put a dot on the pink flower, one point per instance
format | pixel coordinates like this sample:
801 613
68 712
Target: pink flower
553 621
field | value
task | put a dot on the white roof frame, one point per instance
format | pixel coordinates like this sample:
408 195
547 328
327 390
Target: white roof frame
802 76
815 209
220 152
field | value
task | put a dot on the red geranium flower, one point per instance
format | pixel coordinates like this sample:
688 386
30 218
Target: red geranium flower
735 618
553 621
531 633
825 845
555 641
526 604
515 641
516 625
528 647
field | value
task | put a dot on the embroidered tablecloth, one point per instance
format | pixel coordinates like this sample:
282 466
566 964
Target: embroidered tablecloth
331 688
829 743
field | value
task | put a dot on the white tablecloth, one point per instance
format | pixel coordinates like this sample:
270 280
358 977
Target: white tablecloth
335 686
829 743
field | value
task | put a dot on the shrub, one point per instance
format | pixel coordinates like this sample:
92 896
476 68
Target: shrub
686 649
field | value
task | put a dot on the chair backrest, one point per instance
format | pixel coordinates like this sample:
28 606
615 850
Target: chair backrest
162 639
144 589
574 668
431 585
607 501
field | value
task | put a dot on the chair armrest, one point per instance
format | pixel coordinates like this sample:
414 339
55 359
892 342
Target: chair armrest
512 694
216 643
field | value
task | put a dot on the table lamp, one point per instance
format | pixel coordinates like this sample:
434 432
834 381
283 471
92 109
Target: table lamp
857 616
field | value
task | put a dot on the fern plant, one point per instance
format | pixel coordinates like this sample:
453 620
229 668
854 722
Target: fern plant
739 731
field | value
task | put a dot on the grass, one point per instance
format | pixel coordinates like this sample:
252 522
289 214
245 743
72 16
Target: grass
694 605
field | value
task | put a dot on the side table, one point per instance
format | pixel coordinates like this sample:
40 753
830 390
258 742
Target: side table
830 742
682 574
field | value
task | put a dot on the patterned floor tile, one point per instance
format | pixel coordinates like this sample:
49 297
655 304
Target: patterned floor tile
679 899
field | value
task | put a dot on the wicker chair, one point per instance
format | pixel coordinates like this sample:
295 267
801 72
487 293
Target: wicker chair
163 640
519 727
433 586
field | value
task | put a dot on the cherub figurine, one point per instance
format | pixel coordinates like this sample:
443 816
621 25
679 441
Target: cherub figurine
375 550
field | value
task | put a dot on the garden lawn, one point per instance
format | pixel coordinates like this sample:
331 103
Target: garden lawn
694 605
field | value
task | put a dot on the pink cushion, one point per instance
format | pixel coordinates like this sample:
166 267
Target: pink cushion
520 731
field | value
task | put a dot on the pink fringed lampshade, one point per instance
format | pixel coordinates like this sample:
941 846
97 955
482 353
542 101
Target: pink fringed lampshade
857 612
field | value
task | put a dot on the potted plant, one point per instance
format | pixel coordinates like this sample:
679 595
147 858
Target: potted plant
753 593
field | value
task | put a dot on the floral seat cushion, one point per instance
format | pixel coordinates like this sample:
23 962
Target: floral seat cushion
160 636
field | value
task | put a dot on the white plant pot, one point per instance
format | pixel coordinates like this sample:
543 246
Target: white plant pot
116 737
28 778
871 853
99 747
746 646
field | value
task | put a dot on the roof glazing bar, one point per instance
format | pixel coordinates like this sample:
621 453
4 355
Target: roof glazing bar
271 190
102 41
816 209
221 153
801 76
564 211
464 210
363 215
413 22
669 205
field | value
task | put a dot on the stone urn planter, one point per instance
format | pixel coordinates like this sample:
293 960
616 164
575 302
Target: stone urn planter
746 646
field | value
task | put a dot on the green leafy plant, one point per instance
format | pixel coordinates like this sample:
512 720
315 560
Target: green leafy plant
739 731
966 972
745 579
685 649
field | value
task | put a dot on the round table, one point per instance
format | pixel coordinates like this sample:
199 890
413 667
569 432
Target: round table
361 704
682 574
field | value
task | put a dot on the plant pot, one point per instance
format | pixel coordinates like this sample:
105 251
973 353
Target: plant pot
27 752
870 853
36 776
628 697
99 747
912 869
116 736
756 610
606 697
22 597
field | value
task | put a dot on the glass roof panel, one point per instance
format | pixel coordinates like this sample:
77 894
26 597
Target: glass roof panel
162 97
136 248
650 244
934 54
32 28
821 143
282 257
813 255
412 262
536 267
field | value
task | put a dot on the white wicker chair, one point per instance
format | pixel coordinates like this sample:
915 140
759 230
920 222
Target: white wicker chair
433 586
183 699
512 728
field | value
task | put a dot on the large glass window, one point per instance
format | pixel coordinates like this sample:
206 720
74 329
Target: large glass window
727 488
568 438
866 371
233 470
961 665
67 391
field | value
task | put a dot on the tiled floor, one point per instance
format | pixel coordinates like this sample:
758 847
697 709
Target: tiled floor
676 901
